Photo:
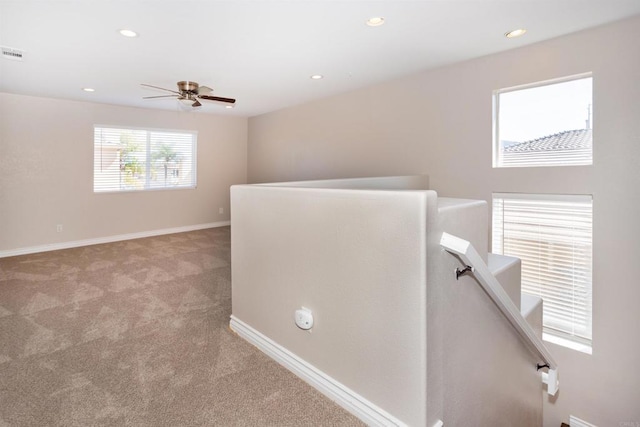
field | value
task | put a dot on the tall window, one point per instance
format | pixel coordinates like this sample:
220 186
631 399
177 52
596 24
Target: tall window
126 159
552 235
544 124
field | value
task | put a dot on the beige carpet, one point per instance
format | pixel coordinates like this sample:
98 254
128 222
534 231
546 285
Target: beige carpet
136 333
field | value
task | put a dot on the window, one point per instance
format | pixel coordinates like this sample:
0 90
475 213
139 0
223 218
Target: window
544 124
141 159
552 235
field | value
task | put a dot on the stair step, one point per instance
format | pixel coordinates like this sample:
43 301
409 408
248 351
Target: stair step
531 309
507 270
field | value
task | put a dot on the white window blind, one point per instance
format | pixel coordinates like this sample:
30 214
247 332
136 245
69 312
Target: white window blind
552 235
556 157
544 124
129 159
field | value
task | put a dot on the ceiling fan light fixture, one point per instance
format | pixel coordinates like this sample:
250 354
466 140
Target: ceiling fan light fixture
228 107
515 33
128 33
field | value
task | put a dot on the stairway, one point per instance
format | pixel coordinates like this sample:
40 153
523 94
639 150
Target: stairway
486 363
457 214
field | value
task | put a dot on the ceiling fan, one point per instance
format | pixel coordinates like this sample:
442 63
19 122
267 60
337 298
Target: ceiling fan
189 93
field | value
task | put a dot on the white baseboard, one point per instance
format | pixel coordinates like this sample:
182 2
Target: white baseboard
577 422
334 390
109 239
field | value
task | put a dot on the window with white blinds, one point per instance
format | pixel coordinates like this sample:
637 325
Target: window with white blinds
552 235
131 159
544 124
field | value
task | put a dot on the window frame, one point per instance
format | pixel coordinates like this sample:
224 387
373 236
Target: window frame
576 341
148 161
495 135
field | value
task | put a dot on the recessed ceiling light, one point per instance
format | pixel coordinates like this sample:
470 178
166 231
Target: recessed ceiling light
128 33
515 33
88 89
317 76
375 21
228 106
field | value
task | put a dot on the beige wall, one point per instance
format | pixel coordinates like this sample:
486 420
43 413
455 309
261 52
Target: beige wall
439 123
334 252
359 260
46 167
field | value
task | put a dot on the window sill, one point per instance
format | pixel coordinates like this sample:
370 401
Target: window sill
147 190
583 348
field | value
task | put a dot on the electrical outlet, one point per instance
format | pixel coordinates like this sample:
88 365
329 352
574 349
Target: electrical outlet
59 228
220 211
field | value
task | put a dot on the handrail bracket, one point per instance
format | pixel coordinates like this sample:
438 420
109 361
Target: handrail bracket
460 272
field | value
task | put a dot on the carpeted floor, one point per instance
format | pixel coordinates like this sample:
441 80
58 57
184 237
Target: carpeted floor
136 333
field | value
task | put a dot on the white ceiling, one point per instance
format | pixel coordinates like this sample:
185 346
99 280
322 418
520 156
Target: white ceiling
262 52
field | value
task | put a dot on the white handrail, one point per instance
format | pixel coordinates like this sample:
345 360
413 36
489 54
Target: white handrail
490 284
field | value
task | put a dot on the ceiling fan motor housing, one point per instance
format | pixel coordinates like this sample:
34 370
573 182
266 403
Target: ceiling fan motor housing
187 86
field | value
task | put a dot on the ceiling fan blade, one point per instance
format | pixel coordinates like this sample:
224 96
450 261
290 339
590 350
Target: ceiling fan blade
203 90
161 88
196 104
217 98
159 96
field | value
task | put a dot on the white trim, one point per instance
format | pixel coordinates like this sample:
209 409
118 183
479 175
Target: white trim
148 158
125 127
569 158
555 197
524 225
334 390
109 239
548 82
564 342
577 422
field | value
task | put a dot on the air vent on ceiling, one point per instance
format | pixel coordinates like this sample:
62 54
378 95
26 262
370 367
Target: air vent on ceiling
12 53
